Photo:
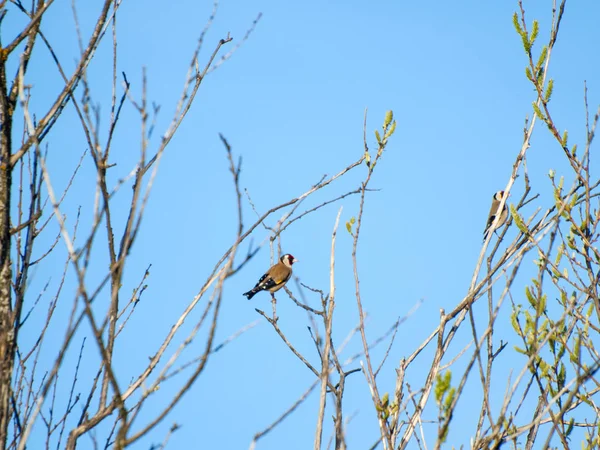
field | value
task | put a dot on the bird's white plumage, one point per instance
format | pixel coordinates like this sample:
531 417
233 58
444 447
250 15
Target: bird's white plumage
494 212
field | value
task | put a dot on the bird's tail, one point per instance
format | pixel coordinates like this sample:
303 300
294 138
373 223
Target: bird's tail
488 229
250 294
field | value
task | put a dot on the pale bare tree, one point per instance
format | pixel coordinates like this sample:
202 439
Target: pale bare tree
550 397
101 407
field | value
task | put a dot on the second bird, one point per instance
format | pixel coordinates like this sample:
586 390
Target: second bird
275 278
496 199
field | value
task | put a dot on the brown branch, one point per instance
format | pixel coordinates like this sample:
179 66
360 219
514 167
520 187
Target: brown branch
324 375
46 122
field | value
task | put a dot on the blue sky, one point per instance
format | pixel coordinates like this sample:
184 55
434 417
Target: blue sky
291 101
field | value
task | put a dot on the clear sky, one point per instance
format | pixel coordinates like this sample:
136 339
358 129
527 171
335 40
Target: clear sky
291 102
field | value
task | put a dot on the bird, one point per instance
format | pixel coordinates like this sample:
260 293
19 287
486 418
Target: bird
496 199
275 278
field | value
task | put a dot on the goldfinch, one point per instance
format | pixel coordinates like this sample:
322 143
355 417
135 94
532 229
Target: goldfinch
496 199
275 278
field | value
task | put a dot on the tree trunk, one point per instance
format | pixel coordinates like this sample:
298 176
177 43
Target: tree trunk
7 348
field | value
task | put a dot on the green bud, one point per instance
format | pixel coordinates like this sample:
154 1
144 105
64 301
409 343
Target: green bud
389 116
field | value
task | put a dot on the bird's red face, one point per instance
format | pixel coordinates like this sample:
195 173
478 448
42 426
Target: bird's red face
288 260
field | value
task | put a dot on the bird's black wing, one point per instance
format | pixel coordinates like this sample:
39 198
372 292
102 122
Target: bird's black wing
266 283
489 222
260 280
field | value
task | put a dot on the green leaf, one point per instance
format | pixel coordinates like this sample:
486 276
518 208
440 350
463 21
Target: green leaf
538 112
534 32
590 310
530 298
558 201
450 399
541 306
570 427
575 356
518 220
378 136
552 343
514 320
389 116
385 400
539 76
516 24
520 350
442 384
349 224
561 351
544 368
549 89
559 254
542 57
391 130
563 298
525 40
521 33
561 376
571 242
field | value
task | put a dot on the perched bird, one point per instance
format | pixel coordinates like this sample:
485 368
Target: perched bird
496 199
275 278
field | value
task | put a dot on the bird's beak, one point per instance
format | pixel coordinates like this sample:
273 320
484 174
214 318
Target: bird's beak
295 260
